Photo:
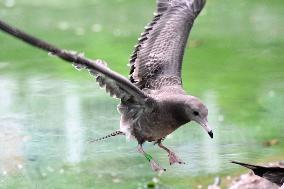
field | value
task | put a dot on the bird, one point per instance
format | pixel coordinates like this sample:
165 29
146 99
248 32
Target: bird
273 174
153 103
155 68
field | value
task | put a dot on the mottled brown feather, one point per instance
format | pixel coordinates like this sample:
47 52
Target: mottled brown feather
160 48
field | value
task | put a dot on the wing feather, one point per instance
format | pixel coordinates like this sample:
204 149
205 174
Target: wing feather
159 53
116 85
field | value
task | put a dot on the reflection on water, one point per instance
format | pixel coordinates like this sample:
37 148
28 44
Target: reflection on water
73 130
6 86
11 135
211 149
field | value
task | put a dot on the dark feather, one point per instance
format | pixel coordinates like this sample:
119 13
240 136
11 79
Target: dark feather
116 85
273 174
160 49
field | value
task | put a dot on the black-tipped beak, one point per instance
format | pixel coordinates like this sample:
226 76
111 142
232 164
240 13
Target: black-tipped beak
206 127
210 133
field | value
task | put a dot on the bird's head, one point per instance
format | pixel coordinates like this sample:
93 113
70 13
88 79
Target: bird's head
198 112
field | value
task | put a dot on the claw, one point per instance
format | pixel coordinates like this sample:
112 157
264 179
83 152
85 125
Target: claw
156 167
173 158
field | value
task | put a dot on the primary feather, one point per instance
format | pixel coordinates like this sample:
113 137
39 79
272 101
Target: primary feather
157 58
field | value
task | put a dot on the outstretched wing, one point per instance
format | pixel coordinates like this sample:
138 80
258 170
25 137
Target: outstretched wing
157 58
114 83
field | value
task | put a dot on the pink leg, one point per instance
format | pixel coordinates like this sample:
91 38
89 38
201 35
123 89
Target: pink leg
173 158
154 165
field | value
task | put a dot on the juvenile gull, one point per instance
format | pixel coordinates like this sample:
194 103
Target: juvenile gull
153 102
156 69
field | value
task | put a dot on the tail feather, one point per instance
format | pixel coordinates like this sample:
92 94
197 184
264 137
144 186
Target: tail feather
108 136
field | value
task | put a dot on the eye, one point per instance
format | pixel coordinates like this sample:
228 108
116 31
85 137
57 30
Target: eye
196 113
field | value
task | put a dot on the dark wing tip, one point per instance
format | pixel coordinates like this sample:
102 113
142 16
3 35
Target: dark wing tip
249 166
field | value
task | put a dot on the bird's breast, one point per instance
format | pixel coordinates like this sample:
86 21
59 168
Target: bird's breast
155 126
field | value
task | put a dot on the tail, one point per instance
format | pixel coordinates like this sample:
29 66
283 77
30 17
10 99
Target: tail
249 166
108 136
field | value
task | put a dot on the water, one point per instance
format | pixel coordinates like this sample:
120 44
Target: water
49 111
46 125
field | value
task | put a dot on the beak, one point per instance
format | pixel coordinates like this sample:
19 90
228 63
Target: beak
205 126
210 133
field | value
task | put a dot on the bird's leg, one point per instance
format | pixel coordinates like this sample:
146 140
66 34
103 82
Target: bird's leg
173 158
154 165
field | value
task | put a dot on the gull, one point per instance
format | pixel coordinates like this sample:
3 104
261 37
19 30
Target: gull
273 174
153 103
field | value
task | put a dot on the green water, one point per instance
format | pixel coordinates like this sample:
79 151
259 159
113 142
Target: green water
49 110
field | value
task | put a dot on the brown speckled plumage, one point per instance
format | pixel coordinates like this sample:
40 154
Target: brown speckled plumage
156 70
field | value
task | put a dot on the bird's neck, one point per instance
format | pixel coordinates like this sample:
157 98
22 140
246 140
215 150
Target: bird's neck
179 114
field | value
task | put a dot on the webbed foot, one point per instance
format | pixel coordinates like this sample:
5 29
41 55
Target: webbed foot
156 167
173 158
